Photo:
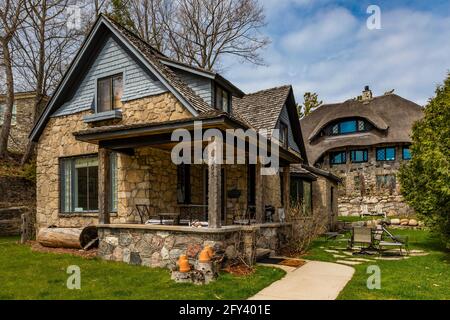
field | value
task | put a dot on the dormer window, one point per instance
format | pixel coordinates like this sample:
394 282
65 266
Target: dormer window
222 99
109 93
348 126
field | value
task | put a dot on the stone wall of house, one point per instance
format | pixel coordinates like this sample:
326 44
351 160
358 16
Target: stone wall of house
272 191
325 200
18 137
360 185
57 141
149 177
236 179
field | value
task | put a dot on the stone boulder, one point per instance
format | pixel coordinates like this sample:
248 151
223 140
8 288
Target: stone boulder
395 222
413 223
404 222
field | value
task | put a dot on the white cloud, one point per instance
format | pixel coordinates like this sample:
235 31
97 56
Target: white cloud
331 27
334 54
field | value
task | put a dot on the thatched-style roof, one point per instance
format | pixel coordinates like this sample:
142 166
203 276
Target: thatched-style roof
391 116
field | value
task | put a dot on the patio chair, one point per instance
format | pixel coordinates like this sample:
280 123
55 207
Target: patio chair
379 210
395 241
143 212
362 236
364 210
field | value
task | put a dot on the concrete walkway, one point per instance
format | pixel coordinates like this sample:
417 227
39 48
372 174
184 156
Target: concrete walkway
313 281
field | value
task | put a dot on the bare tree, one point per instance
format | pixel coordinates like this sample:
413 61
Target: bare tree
44 45
204 31
11 16
150 19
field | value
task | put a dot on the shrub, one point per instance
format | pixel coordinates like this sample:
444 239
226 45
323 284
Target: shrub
425 180
306 227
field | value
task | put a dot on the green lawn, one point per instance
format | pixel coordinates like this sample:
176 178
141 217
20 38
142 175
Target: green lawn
416 278
25 274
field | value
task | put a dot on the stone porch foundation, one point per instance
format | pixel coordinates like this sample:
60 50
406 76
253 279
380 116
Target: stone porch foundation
160 245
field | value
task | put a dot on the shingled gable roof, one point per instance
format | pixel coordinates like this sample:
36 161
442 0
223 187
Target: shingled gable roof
254 106
148 55
262 110
392 116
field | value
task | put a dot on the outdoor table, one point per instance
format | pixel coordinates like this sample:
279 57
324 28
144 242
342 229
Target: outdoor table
175 216
191 209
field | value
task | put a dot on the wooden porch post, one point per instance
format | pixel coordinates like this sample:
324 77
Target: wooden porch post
214 195
259 194
104 185
214 186
286 189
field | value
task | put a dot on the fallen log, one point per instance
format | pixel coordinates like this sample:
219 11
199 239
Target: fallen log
73 238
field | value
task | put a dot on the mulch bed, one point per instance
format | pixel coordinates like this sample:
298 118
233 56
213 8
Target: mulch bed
296 263
36 246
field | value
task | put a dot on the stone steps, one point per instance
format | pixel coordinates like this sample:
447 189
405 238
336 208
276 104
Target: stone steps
263 253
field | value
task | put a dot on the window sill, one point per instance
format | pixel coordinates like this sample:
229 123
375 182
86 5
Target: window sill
84 214
102 116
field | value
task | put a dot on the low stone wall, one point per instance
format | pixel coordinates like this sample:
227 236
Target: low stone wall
160 246
393 205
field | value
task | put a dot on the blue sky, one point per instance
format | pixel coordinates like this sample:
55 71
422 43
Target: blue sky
325 46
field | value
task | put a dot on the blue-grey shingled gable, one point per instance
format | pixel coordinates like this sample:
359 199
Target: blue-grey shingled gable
284 116
112 59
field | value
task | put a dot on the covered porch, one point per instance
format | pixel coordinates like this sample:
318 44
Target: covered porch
227 202
150 188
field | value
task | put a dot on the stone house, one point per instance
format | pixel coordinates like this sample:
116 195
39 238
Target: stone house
364 141
21 122
104 145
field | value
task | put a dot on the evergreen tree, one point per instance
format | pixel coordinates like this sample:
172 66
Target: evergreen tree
425 179
310 103
120 13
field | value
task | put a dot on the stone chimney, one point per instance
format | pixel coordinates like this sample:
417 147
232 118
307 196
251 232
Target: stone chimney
367 94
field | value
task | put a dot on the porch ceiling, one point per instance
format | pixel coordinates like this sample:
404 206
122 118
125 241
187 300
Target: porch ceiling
126 138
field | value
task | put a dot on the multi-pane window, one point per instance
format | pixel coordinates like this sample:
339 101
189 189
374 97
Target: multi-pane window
2 114
359 156
79 184
386 154
406 153
301 194
109 93
347 127
222 99
338 157
283 134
